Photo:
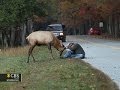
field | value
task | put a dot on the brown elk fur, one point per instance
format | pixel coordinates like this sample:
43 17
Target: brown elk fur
44 38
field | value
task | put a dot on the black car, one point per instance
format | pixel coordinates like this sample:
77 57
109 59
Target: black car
58 31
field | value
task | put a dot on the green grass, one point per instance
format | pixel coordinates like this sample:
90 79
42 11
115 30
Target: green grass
49 74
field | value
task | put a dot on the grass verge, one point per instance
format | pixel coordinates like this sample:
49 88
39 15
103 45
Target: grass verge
49 74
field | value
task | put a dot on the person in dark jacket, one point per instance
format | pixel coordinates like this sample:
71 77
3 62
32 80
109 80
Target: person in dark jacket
74 50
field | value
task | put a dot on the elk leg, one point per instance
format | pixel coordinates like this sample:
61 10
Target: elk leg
30 53
50 49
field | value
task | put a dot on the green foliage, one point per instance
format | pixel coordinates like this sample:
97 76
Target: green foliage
14 12
49 8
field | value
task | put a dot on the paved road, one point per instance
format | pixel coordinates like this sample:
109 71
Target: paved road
101 54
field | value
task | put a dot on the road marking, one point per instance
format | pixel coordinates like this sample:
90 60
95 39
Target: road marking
113 47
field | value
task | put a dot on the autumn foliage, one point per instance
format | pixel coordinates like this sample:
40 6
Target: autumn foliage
74 12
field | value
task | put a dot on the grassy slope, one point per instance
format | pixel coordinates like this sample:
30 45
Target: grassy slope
49 74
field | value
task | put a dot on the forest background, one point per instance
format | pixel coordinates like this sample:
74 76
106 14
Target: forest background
18 18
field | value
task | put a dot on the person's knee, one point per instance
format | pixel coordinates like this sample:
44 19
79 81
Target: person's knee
67 54
81 56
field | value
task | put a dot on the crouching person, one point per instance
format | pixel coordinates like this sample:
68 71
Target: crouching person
74 50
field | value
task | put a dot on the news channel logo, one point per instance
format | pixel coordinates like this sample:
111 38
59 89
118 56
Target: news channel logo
10 77
13 77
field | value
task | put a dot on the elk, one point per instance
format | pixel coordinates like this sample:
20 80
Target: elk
38 38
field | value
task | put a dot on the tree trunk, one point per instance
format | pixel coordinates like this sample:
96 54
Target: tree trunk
0 39
116 26
7 35
12 38
23 35
4 40
74 31
82 31
113 25
119 25
17 40
110 25
29 26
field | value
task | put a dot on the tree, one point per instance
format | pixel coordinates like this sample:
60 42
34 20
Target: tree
15 15
87 13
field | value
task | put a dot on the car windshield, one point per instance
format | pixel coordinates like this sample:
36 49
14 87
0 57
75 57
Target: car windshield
54 28
57 28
